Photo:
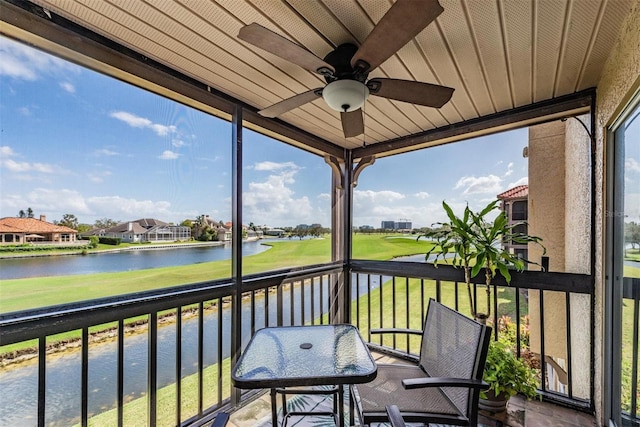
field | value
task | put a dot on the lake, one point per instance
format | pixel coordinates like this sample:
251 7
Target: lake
111 262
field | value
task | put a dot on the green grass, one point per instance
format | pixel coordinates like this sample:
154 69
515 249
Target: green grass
22 294
632 255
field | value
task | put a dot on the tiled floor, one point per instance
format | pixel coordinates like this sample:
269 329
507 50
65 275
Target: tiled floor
520 413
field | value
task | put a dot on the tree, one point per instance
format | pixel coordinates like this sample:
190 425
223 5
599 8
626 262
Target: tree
22 214
29 213
105 223
632 234
83 228
68 220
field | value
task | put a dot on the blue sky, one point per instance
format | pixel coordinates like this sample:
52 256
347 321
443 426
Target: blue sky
75 141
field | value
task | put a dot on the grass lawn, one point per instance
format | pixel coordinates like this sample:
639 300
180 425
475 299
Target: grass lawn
632 255
22 294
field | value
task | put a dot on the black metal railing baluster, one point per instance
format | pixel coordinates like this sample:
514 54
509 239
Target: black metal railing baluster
635 357
84 378
220 343
200 355
42 380
178 365
120 369
153 367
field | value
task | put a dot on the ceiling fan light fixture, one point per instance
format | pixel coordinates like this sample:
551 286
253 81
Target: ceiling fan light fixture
345 95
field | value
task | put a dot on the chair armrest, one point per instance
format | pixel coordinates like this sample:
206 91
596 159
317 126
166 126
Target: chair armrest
411 383
394 416
396 331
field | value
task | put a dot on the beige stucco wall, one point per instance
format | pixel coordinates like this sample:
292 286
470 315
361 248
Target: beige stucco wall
547 191
559 212
620 79
547 220
578 243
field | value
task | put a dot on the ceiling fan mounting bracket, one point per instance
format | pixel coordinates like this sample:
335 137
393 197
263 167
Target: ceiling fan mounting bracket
373 86
340 60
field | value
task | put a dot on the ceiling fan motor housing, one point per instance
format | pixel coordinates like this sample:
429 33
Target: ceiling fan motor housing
340 59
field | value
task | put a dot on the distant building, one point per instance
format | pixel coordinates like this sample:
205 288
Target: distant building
388 225
514 203
144 230
397 225
274 232
26 230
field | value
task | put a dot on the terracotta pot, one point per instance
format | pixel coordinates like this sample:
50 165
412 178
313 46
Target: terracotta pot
494 403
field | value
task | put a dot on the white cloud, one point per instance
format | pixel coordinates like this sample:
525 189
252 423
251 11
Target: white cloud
143 123
273 166
522 181
56 202
98 177
168 155
272 201
178 143
24 111
479 185
21 62
509 169
631 165
68 87
105 152
6 151
422 195
21 167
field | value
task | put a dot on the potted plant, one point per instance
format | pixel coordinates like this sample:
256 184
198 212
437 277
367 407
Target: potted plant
507 376
474 242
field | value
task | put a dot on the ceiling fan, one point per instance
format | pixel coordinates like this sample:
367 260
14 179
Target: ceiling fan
347 68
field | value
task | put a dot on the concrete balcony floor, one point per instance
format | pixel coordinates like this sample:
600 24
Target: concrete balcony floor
520 413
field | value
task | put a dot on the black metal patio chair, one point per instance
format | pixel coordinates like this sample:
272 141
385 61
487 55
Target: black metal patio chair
444 384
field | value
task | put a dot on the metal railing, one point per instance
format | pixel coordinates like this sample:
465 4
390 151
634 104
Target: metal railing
297 296
551 316
539 310
630 350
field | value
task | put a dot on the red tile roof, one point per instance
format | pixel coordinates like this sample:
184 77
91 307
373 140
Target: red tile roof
519 192
31 225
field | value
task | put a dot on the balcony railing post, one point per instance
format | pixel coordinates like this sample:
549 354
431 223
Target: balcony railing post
236 242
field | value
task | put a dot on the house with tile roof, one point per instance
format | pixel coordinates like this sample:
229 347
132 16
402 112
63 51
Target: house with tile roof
143 230
15 230
514 203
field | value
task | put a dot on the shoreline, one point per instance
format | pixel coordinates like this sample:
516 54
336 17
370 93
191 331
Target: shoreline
16 358
142 247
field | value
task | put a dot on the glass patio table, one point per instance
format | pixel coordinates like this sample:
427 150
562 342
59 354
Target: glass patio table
305 356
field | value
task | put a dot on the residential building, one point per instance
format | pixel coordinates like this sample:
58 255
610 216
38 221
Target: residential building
144 230
513 203
15 230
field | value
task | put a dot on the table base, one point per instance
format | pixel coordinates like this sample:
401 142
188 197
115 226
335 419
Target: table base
336 391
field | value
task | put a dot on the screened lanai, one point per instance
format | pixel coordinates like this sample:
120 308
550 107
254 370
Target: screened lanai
569 68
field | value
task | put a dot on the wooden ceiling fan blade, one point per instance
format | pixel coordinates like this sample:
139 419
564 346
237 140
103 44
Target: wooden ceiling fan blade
291 103
402 22
266 39
352 123
409 91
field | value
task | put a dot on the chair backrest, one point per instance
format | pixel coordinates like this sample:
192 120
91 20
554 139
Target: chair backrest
454 345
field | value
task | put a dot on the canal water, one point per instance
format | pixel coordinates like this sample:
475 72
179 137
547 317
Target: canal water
19 384
110 262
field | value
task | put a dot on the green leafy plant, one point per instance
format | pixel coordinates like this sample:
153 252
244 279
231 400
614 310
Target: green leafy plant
475 244
506 374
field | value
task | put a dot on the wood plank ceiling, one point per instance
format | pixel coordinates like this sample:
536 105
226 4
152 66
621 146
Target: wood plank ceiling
497 54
